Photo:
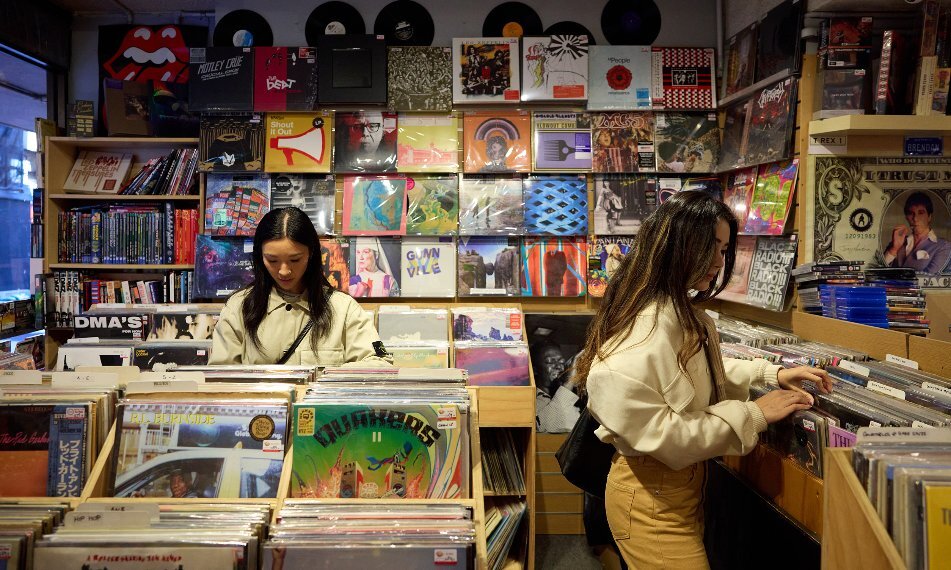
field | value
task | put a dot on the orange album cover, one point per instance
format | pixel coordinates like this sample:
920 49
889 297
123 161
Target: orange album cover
298 142
497 141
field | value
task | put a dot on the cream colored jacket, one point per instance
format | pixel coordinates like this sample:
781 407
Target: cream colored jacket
646 405
350 338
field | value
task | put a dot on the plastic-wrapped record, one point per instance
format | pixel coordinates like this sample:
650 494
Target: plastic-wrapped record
333 18
405 23
569 28
512 20
630 22
242 28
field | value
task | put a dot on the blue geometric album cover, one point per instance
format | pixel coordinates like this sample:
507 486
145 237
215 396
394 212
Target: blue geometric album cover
556 205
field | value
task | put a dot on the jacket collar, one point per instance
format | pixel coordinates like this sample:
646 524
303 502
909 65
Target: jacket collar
275 302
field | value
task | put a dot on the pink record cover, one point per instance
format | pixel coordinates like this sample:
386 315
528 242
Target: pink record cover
739 282
374 205
737 194
494 365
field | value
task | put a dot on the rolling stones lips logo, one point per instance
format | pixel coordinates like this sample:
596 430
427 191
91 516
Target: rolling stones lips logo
148 54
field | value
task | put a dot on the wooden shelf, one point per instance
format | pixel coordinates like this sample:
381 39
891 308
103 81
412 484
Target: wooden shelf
120 266
935 125
101 142
123 198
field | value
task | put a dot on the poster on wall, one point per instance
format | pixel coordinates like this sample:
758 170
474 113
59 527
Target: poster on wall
887 212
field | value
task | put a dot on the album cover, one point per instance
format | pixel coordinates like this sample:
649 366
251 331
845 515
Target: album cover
196 450
561 142
432 205
683 78
485 70
741 60
488 266
235 203
182 326
860 206
405 325
605 254
222 266
420 555
494 365
419 356
772 122
127 107
486 324
352 69
667 187
71 356
497 141
556 205
773 259
428 267
736 288
737 193
428 143
109 326
771 199
491 205
623 202
623 142
231 142
312 193
555 68
285 78
411 451
845 92
365 141
736 133
374 267
687 142
298 142
420 78
374 205
779 46
335 258
220 79
135 556
554 267
711 184
619 78
182 353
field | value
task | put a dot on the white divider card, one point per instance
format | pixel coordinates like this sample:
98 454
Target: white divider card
936 388
901 361
82 520
83 340
853 367
21 377
885 389
903 435
125 373
152 509
152 386
192 376
85 379
176 308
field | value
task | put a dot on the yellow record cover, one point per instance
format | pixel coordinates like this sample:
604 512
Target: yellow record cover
427 143
938 523
298 142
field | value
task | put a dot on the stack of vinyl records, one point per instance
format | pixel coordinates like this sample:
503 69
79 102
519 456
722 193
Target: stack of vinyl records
900 382
757 335
810 276
801 437
501 463
502 520
490 346
252 373
215 536
24 523
416 338
907 311
865 305
311 536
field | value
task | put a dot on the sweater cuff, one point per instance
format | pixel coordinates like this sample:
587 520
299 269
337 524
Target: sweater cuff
771 374
757 419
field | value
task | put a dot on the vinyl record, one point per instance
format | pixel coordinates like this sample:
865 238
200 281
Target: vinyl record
569 28
242 28
333 18
512 20
405 23
630 22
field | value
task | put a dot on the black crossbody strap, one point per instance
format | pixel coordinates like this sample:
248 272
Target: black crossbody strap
287 353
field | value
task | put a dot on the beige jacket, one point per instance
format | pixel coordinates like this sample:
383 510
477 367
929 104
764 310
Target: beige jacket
350 338
647 406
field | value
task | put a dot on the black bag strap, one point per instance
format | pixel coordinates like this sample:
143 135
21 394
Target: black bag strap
287 353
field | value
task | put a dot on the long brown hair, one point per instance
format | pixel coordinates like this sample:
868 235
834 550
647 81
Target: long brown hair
674 249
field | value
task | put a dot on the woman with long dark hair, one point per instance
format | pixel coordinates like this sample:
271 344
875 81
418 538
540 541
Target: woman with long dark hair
289 314
662 392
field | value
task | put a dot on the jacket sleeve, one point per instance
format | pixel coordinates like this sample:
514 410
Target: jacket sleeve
641 418
227 340
359 334
741 374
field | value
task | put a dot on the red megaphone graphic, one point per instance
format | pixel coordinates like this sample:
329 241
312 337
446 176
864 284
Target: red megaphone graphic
309 143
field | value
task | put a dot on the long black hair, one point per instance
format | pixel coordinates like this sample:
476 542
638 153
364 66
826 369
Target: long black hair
294 224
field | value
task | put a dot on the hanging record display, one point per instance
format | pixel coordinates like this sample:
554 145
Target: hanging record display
630 22
405 23
512 20
569 28
243 28
333 18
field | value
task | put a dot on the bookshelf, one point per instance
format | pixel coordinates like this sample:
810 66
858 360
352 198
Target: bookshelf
877 125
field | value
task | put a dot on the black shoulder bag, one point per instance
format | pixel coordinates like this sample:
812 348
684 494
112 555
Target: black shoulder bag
584 459
287 353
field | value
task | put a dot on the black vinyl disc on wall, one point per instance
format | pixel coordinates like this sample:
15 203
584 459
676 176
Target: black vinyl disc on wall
405 23
630 22
569 28
332 18
242 28
512 20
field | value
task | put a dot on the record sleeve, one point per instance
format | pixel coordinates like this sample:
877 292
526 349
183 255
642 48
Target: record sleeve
554 267
622 203
779 46
497 142
220 79
683 78
619 78
502 364
771 199
404 325
352 69
772 123
222 266
686 142
491 205
555 68
285 78
134 556
231 142
623 142
737 286
374 267
485 70
561 142
736 195
773 259
428 267
235 203
556 205
365 141
312 193
420 78
741 59
335 259
428 143
432 205
374 205
736 133
185 353
419 355
488 266
486 324
183 326
605 254
298 142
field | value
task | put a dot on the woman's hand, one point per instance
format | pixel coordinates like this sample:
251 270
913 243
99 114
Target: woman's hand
792 379
778 404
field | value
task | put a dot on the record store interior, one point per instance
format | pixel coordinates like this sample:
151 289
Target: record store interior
502 285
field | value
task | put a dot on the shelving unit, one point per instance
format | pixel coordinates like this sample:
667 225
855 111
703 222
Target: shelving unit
877 125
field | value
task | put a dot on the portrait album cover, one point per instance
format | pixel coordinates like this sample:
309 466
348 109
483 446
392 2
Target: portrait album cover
199 450
491 205
497 141
432 207
235 203
736 195
230 142
285 78
402 324
736 288
312 193
490 324
561 142
420 78
619 78
687 142
427 143
555 68
185 325
335 259
556 205
298 142
374 267
222 266
499 364
771 198
374 205
622 142
623 202
488 266
554 267
428 267
485 70
605 254
365 141
220 78
429 355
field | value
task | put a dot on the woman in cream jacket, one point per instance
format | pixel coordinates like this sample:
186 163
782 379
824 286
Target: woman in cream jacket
662 392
